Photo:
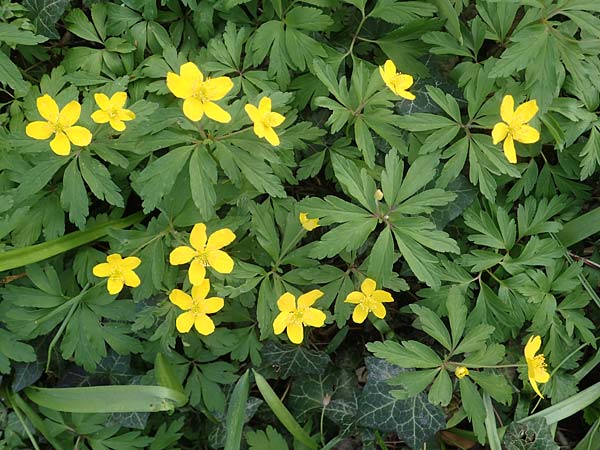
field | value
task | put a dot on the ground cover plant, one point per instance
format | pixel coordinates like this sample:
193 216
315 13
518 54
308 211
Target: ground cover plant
289 224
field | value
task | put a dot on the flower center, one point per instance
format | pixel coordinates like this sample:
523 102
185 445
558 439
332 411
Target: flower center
117 273
113 113
202 257
197 309
539 362
296 317
200 92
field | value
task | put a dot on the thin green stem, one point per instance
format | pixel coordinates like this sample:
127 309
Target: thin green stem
23 424
228 135
321 426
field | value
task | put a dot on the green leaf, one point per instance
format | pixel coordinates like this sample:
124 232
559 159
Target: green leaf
354 181
203 178
590 154
447 11
580 228
103 399
457 313
307 18
11 348
440 392
282 413
165 374
78 23
236 412
11 75
269 439
533 434
409 354
12 35
381 260
414 420
99 180
45 15
401 12
431 324
158 178
490 424
291 360
73 196
493 384
473 405
475 338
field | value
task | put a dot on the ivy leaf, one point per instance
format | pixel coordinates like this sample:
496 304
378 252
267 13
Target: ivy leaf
45 15
415 420
533 434
290 360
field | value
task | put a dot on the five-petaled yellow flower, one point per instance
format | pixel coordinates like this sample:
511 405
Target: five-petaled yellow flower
197 308
369 300
308 224
199 94
204 253
264 120
295 317
119 272
61 123
536 364
461 372
396 81
514 126
112 110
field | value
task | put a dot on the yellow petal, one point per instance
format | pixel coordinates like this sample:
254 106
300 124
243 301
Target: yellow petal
259 129
507 108
213 304
193 109
295 332
276 119
117 125
280 322
204 324
252 112
216 113
542 375
403 82
389 69
80 136
178 86
69 114
217 88
526 134
220 261
525 112
126 115
531 348
198 236
184 322
39 130
220 238
382 296
407 95
200 290
114 259
308 299
286 303
535 387
189 71
314 317
264 105
355 297
197 272
360 313
181 255
47 108
102 270
378 309
308 224
368 286
102 101
499 132
118 99
60 144
271 136
131 279
100 116
114 285
181 299
509 149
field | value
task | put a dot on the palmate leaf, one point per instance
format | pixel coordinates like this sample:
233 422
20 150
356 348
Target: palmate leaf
533 434
11 348
269 439
415 420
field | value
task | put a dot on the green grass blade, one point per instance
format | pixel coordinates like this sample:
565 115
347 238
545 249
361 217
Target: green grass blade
38 252
236 413
490 424
591 440
282 413
107 399
568 407
165 375
580 228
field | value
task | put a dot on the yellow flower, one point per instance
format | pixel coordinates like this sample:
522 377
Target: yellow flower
369 300
294 318
514 126
536 365
60 123
198 307
308 224
461 372
199 94
204 253
112 111
396 81
119 272
264 120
